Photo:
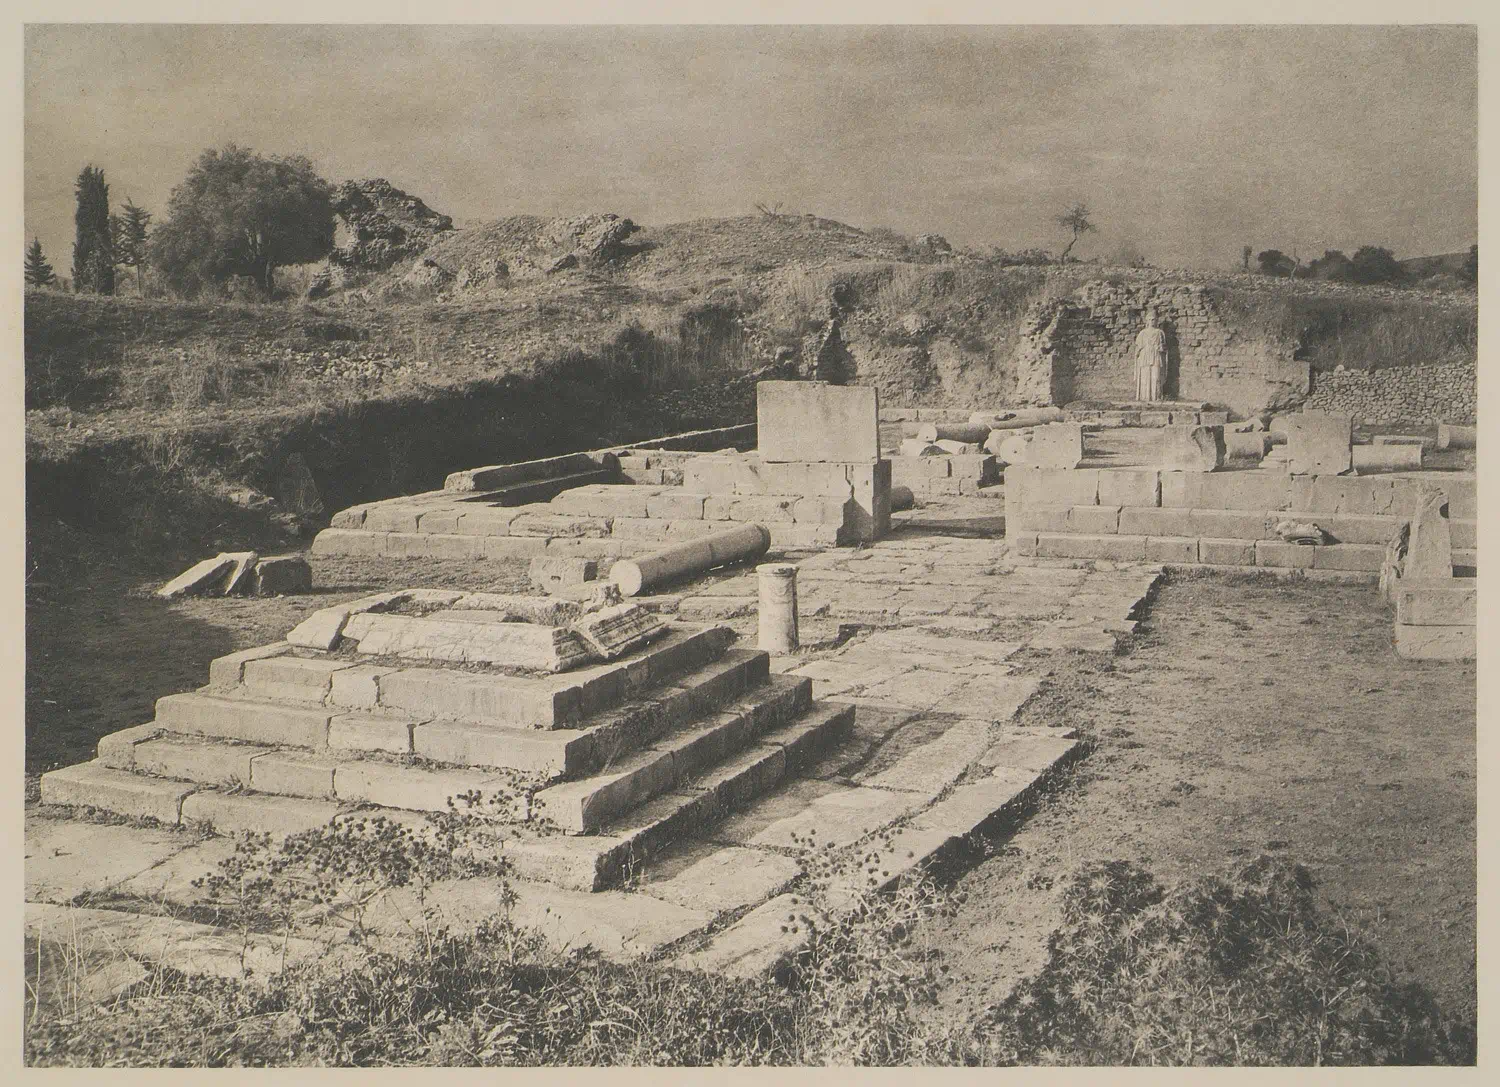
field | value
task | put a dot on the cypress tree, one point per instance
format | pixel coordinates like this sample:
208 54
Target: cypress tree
93 253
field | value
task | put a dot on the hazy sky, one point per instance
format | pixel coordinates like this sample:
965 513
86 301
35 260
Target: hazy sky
1187 143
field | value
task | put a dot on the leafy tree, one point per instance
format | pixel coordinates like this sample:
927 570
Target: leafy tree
38 273
128 234
93 256
1075 219
1273 262
1245 258
238 213
1372 264
1332 265
1471 264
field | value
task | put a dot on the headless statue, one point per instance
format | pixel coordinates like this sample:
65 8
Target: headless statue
1150 361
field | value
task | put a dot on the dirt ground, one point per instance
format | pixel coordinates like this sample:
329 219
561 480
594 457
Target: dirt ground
1252 715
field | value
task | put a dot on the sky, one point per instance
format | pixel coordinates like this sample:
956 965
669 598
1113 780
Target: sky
1186 143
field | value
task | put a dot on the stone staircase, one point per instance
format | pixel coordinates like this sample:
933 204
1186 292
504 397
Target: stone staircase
626 758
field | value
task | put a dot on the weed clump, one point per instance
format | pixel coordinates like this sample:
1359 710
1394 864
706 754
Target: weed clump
1223 971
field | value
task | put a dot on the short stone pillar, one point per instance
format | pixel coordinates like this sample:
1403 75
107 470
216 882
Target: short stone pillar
778 607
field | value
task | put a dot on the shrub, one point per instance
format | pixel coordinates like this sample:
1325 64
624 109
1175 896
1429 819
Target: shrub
1241 971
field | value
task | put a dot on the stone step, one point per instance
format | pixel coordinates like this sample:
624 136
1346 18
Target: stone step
544 490
782 732
597 861
438 692
675 759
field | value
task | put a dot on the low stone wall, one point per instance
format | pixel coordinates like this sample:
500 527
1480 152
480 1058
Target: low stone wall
1416 394
1223 518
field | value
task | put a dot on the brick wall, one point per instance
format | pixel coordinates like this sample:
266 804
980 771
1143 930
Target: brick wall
1083 348
1407 394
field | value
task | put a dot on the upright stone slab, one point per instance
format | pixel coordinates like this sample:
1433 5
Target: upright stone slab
1056 445
1429 546
813 421
1318 444
1191 448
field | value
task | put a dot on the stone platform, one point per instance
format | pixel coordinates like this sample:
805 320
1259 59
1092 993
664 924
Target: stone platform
678 773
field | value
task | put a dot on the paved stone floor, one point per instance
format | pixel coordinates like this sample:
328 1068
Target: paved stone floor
937 634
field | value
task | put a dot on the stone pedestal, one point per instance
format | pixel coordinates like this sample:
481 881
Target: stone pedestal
1318 444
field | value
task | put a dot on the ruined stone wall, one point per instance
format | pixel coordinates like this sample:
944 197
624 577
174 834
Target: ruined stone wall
1407 394
1084 350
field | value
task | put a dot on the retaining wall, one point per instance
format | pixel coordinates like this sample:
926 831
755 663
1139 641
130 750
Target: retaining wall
1416 394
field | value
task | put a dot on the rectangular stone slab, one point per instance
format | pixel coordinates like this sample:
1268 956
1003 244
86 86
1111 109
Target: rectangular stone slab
1318 444
815 421
520 645
199 578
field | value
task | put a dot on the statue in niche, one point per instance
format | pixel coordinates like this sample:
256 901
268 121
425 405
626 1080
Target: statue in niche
1150 359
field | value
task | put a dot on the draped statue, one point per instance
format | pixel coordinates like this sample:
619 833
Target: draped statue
1150 360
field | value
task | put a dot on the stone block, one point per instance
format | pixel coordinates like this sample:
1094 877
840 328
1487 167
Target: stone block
242 719
512 701
443 521
1037 519
208 763
229 670
230 813
1171 549
1365 558
487 520
1075 487
205 577
1024 543
1435 603
683 505
557 524
292 679
1056 446
1318 444
552 572
1094 519
434 546
1435 643
293 773
1226 490
1154 521
1465 535
117 750
1284 555
1232 524
1326 495
281 575
1226 552
868 515
395 786
819 511
815 421
370 732
1452 436
1240 445
1075 546
1191 448
1129 487
1353 528
1429 547
92 785
762 509
392 517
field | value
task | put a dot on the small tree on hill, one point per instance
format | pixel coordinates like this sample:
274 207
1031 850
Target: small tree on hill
93 253
37 272
128 233
1273 262
1372 264
1075 219
1245 258
238 213
1471 264
1333 266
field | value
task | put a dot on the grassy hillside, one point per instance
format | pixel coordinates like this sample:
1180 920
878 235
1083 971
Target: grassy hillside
384 386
